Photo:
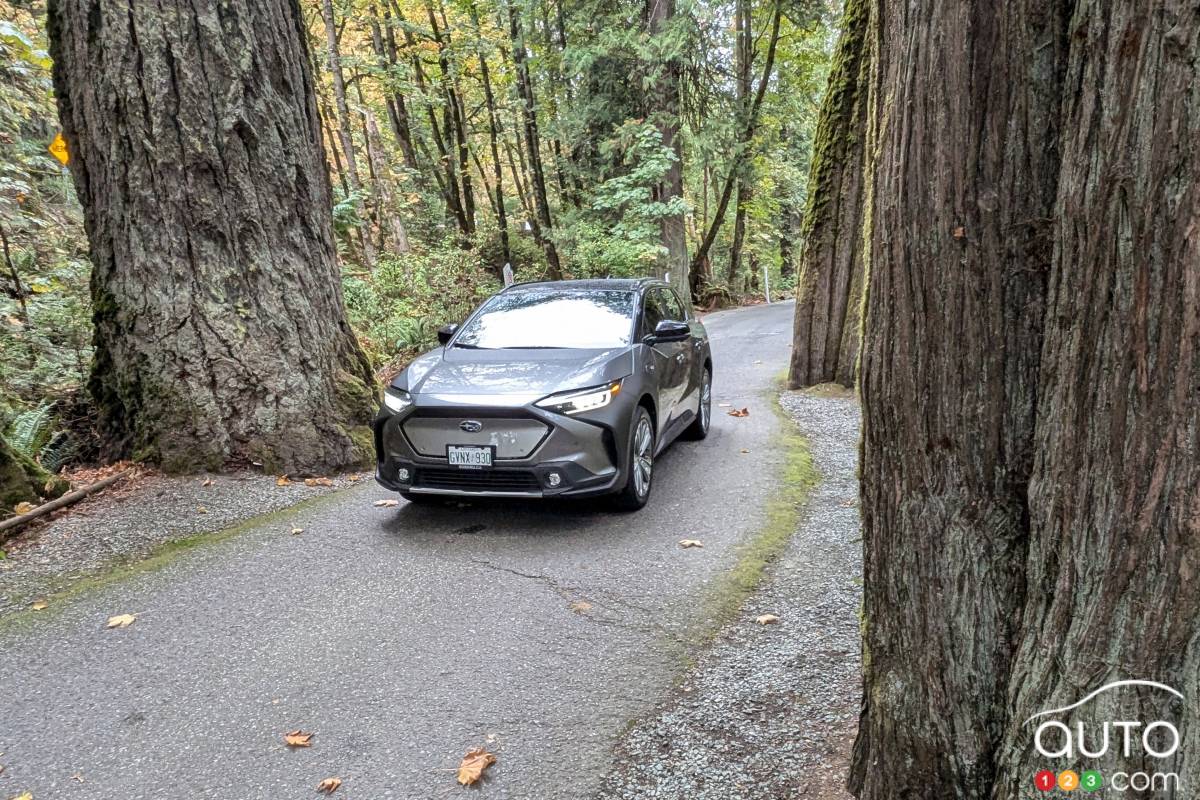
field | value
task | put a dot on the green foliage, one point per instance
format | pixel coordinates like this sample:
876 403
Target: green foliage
398 308
617 233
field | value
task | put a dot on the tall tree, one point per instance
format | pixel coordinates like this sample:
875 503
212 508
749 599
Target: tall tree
1114 498
220 333
345 137
494 135
543 224
829 290
962 187
665 112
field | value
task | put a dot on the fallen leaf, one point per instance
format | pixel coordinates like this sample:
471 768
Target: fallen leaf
744 450
686 543
297 531
122 620
766 619
77 777
329 785
386 503
739 412
355 478
24 796
473 764
298 738
38 605
282 480
24 508
580 606
1 769
207 482
201 510
318 482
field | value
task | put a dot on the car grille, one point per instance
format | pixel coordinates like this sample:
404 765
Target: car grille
469 480
513 437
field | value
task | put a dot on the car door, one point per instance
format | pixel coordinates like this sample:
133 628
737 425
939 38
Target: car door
683 356
668 358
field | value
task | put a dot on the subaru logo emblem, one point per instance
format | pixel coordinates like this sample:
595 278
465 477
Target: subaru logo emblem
470 426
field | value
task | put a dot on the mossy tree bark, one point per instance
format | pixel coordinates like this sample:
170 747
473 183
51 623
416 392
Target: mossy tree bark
962 187
22 480
220 330
829 285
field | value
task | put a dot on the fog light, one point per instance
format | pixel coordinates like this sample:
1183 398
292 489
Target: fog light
402 474
553 479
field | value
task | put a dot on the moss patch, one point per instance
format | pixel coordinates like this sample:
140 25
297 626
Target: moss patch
797 478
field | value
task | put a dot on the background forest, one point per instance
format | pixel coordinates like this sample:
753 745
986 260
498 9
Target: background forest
569 138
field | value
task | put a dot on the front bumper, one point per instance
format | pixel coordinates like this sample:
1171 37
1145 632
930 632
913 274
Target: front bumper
574 456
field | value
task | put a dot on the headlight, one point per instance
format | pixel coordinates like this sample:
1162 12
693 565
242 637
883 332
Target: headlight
397 399
578 402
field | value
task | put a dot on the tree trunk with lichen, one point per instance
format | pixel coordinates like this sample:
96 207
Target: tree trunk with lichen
830 282
220 330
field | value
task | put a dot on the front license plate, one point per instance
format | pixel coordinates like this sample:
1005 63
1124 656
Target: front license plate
460 455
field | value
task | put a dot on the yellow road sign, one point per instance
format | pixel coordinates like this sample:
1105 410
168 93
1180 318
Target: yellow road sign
58 149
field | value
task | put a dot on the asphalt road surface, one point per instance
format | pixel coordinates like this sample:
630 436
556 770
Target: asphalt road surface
402 637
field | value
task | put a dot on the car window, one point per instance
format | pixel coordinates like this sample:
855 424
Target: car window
654 313
674 308
551 318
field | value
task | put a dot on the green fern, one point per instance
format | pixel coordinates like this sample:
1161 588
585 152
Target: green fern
61 448
31 430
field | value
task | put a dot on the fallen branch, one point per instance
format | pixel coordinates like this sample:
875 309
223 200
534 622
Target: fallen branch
62 502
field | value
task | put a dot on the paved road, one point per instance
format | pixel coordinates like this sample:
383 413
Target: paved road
401 636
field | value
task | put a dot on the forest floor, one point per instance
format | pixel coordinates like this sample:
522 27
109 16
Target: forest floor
771 711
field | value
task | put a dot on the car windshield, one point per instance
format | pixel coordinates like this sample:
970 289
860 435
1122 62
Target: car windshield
552 318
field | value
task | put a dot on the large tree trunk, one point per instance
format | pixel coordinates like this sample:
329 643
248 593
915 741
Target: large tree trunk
494 134
962 195
220 333
829 289
1114 552
665 113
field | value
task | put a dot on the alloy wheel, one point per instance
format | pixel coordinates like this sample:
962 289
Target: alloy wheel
643 457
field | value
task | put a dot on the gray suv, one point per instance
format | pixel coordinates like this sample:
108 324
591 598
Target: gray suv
569 388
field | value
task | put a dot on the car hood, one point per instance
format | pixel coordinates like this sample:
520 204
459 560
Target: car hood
510 376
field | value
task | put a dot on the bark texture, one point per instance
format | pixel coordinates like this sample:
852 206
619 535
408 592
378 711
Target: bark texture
830 283
666 115
220 330
1115 494
964 169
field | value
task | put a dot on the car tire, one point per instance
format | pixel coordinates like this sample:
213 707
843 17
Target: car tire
639 472
699 427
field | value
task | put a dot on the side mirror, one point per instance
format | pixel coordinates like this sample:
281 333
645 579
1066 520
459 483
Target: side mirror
670 331
446 333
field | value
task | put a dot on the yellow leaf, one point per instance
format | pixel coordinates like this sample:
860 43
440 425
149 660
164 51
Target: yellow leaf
201 510
39 605
329 785
386 503
58 149
24 508
471 768
580 606
282 480
24 796
355 478
318 482
122 620
766 619
298 738
686 543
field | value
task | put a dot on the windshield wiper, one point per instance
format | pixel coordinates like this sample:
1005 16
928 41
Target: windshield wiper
534 347
472 346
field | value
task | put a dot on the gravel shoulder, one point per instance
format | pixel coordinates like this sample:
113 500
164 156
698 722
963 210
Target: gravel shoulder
770 711
127 523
